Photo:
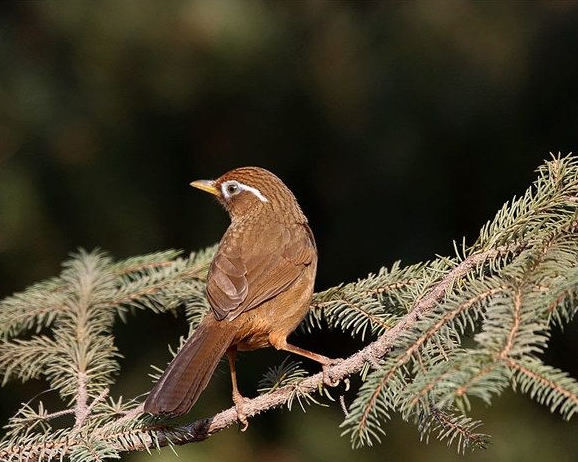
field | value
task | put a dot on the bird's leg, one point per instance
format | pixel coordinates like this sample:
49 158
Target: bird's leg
279 342
238 399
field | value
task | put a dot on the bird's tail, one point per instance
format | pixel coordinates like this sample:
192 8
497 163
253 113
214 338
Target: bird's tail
190 371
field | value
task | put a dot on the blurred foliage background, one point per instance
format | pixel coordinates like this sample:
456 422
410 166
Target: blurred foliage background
399 126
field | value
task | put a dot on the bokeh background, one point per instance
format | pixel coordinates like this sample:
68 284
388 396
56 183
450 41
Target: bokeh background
399 126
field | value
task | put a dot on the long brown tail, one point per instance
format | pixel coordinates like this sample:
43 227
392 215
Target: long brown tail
190 371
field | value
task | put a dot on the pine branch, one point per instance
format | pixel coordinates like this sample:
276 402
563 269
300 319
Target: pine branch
503 295
152 436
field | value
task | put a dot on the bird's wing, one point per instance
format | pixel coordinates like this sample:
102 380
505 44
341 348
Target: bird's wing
242 277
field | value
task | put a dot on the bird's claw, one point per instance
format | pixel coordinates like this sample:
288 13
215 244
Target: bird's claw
241 416
327 376
242 420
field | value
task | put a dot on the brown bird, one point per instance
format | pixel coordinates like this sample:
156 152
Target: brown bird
259 286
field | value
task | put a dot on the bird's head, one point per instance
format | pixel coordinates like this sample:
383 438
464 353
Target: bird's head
251 190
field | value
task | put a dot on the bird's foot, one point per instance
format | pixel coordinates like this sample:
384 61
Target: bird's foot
328 378
240 401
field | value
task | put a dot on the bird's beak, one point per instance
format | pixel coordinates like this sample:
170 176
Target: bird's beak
206 185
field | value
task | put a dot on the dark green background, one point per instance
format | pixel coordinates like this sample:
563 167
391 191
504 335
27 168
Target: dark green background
399 126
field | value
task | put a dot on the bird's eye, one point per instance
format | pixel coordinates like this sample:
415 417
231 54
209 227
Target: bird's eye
231 188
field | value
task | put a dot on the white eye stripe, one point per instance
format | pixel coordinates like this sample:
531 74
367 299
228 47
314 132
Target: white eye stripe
231 188
255 191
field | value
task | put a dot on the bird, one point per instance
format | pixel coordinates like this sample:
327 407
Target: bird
259 287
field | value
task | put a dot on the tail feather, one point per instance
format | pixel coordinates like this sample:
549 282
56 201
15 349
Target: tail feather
189 372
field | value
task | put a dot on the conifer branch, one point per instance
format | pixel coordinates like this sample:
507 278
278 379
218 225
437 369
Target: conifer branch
429 301
371 354
152 436
505 292
548 387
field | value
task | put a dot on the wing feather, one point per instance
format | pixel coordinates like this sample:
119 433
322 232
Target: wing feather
247 273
